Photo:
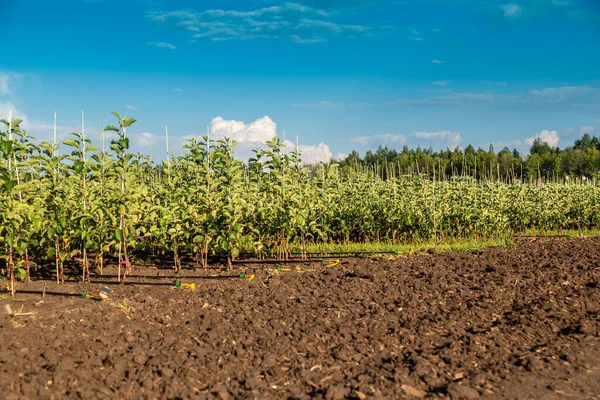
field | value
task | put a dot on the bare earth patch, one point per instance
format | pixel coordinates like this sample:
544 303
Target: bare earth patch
501 323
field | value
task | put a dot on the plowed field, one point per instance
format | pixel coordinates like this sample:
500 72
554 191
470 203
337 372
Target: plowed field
500 323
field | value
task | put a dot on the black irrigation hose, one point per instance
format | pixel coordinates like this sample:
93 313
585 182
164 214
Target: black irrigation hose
308 260
333 253
540 236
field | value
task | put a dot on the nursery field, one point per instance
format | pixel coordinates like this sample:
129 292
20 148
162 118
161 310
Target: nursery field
80 206
505 323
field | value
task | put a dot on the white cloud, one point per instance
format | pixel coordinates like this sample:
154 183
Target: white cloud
162 45
561 93
7 79
316 24
436 61
562 90
550 137
385 139
512 10
564 96
289 21
586 129
146 139
307 40
259 131
341 156
6 107
445 138
129 107
558 97
253 135
440 139
450 99
4 87
440 83
311 154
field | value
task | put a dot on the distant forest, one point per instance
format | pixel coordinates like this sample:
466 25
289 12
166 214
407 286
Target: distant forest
582 160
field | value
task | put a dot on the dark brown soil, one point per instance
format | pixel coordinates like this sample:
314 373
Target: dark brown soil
503 323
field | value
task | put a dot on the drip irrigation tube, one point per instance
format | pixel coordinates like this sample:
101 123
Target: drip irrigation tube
309 260
540 236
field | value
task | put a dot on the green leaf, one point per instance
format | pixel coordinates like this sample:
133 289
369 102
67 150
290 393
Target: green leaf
128 122
71 142
47 146
9 185
123 143
78 166
6 147
21 274
37 223
10 239
111 128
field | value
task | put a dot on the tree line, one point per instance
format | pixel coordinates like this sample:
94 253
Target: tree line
544 162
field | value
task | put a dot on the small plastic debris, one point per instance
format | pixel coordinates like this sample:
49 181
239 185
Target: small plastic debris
91 296
242 276
191 286
103 293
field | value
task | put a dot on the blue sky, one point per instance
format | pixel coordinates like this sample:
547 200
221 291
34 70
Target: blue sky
342 75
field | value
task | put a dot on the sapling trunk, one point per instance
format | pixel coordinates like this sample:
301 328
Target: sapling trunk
12 272
205 254
28 277
176 257
86 267
126 261
101 260
57 258
119 266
